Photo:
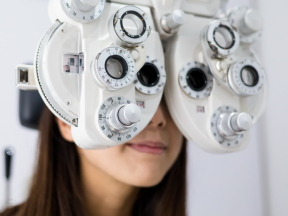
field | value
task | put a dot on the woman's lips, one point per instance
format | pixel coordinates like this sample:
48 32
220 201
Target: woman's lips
148 147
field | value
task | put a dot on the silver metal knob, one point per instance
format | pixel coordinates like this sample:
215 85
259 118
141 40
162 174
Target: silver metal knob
129 114
230 125
241 122
121 118
251 23
172 21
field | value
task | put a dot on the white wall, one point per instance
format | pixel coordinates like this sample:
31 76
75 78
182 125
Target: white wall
223 185
22 22
273 138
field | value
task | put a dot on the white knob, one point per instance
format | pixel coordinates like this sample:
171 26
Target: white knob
230 125
172 21
241 122
176 19
129 114
91 3
252 22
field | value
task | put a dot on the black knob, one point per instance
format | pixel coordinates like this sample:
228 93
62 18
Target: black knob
8 160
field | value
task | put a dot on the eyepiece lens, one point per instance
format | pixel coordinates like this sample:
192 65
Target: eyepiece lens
196 79
249 76
116 67
148 75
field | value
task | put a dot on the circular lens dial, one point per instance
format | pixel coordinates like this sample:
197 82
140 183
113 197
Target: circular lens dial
246 77
113 68
113 116
234 140
81 12
222 38
131 25
195 80
151 78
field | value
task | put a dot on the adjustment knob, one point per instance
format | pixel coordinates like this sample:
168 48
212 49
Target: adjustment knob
241 122
252 22
129 114
230 125
91 3
121 118
172 21
86 5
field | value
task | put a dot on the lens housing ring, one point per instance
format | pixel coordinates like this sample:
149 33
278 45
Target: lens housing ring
101 75
235 77
201 81
119 32
215 45
160 77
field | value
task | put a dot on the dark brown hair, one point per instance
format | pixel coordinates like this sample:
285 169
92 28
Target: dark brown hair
56 186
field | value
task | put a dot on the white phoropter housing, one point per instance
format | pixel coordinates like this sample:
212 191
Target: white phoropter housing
218 120
84 73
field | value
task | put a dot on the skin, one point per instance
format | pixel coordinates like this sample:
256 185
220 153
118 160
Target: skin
112 177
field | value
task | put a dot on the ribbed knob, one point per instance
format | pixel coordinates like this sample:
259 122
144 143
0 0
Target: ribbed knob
129 114
241 122
252 22
122 117
173 21
230 125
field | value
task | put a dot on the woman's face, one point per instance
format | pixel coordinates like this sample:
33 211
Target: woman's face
145 159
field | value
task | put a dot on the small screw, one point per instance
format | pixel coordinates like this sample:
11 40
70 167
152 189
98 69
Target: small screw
68 103
123 34
63 30
142 47
120 51
73 120
143 14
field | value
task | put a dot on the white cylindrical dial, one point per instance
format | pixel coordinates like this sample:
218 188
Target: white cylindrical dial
195 80
228 126
246 77
83 10
129 26
151 78
172 21
222 38
119 119
113 68
248 22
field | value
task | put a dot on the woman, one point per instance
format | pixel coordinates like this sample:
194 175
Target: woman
144 177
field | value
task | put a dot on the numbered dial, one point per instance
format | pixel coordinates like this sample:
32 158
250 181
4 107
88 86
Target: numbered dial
83 10
118 119
249 23
113 68
217 122
222 38
246 77
130 25
195 80
151 78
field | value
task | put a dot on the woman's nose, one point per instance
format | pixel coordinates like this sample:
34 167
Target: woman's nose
159 118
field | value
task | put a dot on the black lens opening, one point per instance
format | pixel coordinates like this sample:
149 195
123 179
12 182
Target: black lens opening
249 76
196 79
148 75
119 63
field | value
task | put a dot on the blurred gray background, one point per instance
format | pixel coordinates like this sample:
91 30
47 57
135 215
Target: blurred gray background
253 182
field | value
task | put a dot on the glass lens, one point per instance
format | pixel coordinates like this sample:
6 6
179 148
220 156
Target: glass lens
223 37
196 79
148 75
133 24
116 67
249 76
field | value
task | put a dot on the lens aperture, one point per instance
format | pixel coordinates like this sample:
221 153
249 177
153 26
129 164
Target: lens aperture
148 75
116 67
224 37
249 76
196 79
